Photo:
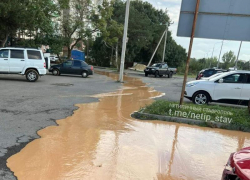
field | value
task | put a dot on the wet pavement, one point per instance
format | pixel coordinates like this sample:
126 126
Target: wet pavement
101 141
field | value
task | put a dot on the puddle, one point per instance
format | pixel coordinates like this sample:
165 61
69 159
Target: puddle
101 141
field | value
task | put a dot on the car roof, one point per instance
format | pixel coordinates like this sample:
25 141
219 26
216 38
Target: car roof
229 73
21 48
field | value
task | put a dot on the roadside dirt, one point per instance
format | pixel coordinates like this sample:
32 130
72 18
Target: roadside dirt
101 141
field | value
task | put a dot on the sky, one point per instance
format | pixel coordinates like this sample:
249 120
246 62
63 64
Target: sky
201 47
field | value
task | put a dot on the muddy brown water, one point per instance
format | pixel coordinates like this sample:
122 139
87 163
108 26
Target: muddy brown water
101 141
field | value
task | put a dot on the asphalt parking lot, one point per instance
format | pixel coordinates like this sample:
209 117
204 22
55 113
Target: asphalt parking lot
28 107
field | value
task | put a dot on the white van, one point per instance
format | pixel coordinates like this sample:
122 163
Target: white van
24 61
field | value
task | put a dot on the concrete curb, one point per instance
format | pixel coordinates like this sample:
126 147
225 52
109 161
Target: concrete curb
146 116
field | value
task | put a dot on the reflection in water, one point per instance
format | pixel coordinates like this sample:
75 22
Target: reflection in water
101 141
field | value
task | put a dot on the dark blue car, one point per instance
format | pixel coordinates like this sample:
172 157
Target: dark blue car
77 67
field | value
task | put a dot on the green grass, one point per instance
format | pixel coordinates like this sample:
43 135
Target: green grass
237 118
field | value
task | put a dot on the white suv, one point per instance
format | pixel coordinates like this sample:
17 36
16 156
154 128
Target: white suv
233 86
24 61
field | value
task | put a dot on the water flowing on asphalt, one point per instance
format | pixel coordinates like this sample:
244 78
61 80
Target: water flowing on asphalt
101 141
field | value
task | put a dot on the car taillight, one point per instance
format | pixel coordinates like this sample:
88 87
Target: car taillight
44 65
92 68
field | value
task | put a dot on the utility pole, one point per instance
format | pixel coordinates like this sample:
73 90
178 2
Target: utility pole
124 41
236 63
220 55
165 42
189 51
156 49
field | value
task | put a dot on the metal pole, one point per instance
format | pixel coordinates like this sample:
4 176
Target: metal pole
156 48
124 42
236 63
165 42
212 57
189 51
220 54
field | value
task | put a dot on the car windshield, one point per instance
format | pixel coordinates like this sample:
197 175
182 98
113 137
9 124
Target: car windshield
215 75
84 64
156 65
221 75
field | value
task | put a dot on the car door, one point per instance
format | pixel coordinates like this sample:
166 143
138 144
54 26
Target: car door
245 94
162 70
67 67
16 61
77 67
230 88
4 61
165 69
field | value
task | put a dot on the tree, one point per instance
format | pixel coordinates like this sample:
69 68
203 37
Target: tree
228 60
111 30
30 18
175 54
146 26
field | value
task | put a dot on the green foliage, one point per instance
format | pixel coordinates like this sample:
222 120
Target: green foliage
29 17
101 53
228 60
146 26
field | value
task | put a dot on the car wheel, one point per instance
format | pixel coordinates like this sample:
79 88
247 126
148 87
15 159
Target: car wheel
170 75
200 98
146 74
55 72
32 75
85 74
156 73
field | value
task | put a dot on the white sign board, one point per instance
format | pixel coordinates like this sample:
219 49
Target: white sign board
217 19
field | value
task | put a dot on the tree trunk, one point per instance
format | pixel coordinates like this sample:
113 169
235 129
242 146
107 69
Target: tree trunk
69 52
59 58
111 58
4 39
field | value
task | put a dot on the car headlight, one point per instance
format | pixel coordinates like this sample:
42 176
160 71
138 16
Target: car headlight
191 84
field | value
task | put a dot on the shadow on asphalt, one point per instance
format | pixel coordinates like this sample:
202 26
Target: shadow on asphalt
70 76
13 79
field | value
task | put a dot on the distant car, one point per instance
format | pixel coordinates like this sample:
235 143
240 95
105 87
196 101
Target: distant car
231 87
53 58
77 67
238 166
23 61
160 69
208 72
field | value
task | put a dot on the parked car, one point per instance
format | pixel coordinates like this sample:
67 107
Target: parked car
77 67
208 72
160 69
238 166
233 86
53 58
24 61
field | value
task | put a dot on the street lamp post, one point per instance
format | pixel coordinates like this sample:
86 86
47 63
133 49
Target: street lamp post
124 41
220 55
236 63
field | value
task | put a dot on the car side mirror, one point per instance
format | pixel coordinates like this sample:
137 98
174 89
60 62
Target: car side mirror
221 81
